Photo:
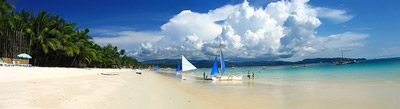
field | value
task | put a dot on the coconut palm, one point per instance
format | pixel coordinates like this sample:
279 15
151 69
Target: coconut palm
5 7
43 37
81 41
19 21
5 10
52 38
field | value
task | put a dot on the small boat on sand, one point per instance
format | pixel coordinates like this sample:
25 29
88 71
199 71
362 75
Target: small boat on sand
222 76
184 66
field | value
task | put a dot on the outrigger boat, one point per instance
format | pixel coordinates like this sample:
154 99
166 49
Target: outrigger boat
222 76
343 61
184 66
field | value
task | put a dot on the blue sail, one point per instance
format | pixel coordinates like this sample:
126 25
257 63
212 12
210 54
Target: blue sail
223 63
215 67
179 68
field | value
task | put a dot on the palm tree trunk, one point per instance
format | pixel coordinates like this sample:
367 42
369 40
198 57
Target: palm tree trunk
74 60
45 62
56 59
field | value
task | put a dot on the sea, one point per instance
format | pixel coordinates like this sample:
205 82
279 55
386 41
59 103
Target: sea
367 71
371 84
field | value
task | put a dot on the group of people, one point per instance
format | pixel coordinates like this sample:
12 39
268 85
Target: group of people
205 76
250 74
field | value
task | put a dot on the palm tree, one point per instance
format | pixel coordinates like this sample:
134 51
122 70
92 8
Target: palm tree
19 21
52 38
5 10
42 36
89 54
122 52
81 41
16 39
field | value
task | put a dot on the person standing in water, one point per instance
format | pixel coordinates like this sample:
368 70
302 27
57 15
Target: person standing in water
252 74
248 74
204 75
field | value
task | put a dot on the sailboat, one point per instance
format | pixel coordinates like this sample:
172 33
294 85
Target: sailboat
344 61
184 66
221 76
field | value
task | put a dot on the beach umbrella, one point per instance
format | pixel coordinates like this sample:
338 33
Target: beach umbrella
157 67
23 55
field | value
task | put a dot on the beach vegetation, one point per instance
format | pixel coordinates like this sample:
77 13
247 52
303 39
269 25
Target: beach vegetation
54 42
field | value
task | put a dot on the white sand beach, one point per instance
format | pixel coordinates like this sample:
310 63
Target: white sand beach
37 87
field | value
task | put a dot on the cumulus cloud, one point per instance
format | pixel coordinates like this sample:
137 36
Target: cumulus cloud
282 30
127 39
201 24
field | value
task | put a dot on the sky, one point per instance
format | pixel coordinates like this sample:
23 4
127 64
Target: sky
252 30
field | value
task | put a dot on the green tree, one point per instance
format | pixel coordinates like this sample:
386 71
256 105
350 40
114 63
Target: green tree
55 42
43 37
5 10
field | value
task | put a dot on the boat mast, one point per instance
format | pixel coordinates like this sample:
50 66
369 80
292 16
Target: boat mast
342 53
181 63
220 54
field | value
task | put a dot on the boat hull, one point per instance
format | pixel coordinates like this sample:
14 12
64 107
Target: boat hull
185 75
227 78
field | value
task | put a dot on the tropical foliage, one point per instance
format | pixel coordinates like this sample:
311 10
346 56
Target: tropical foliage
56 42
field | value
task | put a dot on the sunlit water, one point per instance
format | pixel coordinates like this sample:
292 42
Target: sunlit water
367 84
384 70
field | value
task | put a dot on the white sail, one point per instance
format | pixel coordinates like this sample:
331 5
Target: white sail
186 65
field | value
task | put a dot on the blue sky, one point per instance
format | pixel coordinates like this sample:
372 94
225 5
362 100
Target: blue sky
135 14
373 26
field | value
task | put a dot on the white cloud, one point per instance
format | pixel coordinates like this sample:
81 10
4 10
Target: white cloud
127 39
393 51
283 30
336 15
348 39
189 23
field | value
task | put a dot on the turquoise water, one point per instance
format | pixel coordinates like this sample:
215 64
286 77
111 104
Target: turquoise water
367 84
382 70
